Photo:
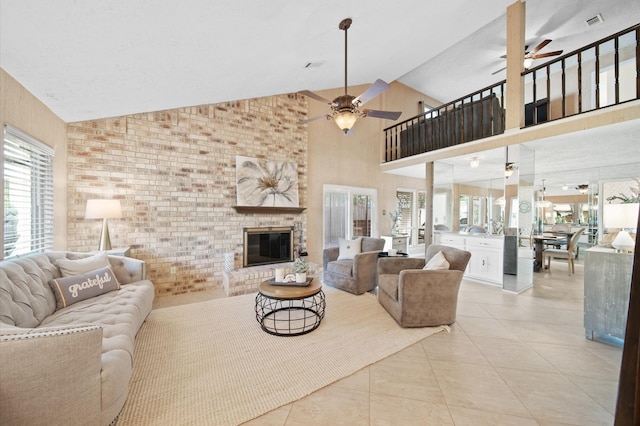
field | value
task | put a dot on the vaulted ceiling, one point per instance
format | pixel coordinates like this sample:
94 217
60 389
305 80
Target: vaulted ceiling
100 58
89 59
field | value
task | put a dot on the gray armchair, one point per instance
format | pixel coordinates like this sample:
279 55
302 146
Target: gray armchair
356 276
422 298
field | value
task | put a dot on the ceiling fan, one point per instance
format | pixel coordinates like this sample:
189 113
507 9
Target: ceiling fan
346 108
530 56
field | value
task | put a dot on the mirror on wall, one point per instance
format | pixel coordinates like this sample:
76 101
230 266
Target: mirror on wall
479 210
463 213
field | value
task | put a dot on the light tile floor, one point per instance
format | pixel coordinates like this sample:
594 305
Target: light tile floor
510 359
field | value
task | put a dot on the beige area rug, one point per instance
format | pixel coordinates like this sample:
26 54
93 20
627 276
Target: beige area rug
210 363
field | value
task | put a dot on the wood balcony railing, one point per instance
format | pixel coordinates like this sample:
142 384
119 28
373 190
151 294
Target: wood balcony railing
475 116
595 76
601 74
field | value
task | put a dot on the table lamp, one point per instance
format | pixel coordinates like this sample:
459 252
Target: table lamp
623 216
103 209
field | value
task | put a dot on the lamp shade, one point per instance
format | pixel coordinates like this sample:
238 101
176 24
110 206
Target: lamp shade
103 209
620 215
345 120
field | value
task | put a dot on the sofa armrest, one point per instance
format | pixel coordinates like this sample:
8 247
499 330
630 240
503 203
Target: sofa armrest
365 267
393 265
50 375
329 255
127 269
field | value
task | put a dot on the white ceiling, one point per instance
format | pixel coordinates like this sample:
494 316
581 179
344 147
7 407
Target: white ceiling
101 58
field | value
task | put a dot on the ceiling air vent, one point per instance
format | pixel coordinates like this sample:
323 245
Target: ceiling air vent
595 20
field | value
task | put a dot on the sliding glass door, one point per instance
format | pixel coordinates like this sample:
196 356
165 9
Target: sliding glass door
348 212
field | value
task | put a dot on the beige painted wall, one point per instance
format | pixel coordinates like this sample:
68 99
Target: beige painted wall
21 110
354 160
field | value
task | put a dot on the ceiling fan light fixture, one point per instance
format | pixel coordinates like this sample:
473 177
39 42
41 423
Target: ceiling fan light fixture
583 189
509 168
345 120
527 63
474 163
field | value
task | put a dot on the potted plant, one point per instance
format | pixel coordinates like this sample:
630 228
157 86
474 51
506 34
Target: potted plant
300 268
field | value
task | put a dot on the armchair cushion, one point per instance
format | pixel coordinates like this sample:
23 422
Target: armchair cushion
349 248
438 261
344 267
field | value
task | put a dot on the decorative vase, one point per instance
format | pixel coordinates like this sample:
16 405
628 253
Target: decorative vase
301 277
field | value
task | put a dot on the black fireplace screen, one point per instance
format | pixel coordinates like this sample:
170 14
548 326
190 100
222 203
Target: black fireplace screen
267 245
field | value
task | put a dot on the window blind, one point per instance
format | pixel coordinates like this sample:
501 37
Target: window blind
27 193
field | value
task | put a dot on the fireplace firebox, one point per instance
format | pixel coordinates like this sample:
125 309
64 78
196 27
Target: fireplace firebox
267 245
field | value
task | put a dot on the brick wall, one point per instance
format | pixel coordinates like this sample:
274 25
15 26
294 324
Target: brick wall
174 172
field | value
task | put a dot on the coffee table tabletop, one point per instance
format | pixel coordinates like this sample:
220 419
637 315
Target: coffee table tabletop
289 292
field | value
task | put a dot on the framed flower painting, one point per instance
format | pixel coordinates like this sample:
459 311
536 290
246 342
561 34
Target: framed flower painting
266 183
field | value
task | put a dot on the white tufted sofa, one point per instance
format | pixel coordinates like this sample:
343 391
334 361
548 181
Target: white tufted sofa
73 365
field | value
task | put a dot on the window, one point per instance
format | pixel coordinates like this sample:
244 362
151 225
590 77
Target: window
28 194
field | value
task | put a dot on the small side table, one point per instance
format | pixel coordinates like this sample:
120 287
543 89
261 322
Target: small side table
290 310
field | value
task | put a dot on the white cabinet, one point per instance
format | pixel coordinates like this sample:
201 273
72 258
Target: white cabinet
487 255
398 242
486 259
453 240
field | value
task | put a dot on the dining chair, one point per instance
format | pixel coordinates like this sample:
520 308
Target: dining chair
569 253
476 229
560 228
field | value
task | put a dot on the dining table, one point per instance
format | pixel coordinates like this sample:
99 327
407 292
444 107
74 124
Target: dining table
540 240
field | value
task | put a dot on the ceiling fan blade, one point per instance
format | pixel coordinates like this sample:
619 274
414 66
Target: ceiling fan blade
315 96
539 46
374 90
497 71
546 55
318 117
389 115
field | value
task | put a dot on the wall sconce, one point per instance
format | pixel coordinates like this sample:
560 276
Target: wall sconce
474 163
583 189
103 209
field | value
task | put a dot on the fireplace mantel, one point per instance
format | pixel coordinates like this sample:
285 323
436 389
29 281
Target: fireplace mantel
263 209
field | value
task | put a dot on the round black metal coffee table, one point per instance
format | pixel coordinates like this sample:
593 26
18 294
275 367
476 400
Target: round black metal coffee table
290 310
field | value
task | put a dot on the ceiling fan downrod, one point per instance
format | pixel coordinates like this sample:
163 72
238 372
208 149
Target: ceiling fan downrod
344 25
